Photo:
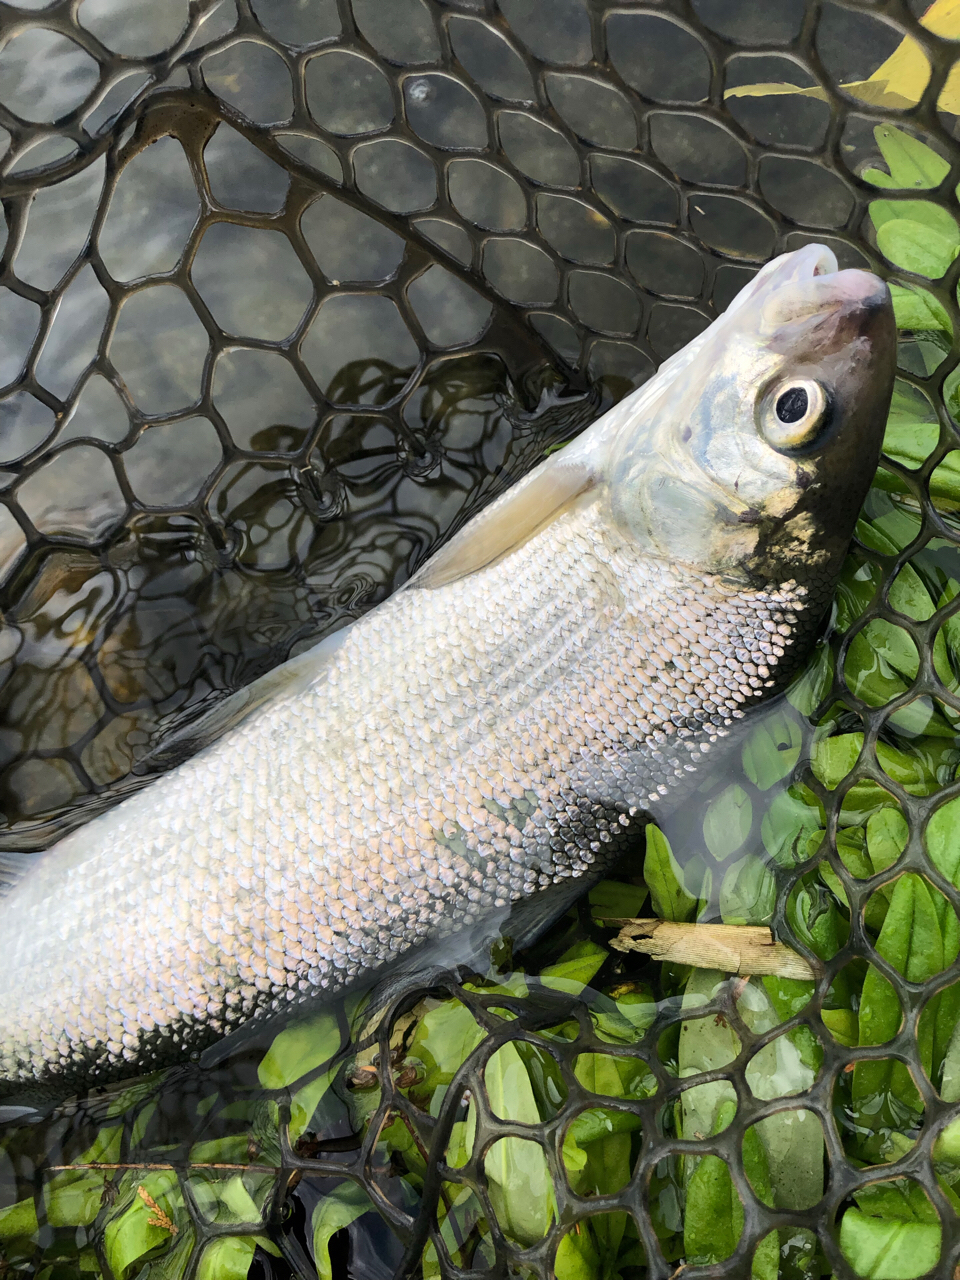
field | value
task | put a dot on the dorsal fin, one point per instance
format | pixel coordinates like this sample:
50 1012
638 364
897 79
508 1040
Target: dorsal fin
525 509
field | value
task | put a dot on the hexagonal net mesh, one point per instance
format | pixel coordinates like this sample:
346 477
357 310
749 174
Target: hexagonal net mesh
290 288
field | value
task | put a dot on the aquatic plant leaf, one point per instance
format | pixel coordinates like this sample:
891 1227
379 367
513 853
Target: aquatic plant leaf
912 941
140 1228
727 822
916 309
713 1222
443 1040
748 893
881 1249
575 967
520 1189
611 899
18 1220
772 750
298 1050
917 246
668 897
911 162
343 1205
227 1259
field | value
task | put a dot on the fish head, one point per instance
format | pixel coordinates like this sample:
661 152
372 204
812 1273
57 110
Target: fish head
752 450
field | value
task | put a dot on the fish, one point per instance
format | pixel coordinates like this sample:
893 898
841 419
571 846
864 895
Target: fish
502 727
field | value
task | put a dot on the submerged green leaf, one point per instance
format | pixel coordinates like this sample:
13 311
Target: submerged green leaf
882 1249
336 1210
668 897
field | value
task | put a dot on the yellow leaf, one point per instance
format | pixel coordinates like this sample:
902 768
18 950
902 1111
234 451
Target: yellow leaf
943 19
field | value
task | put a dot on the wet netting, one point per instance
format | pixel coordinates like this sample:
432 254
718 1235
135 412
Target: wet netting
289 289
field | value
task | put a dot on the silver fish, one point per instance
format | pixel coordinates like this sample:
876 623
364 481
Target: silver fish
502 724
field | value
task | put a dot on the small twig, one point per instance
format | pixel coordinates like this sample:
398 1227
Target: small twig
165 1168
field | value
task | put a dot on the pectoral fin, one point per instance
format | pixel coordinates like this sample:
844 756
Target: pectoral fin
508 523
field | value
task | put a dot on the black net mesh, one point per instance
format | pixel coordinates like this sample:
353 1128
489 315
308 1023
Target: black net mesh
290 288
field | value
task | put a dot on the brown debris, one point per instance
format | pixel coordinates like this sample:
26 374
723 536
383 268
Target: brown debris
741 949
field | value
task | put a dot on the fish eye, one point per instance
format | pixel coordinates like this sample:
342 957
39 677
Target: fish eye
793 413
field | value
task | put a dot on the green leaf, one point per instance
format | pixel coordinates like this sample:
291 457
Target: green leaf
912 942
575 967
298 1050
927 214
880 1249
792 827
520 1188
227 1259
445 1037
336 1210
843 1025
18 1220
772 750
133 1233
911 162
73 1198
917 309
613 899
727 822
917 247
668 897
713 1223
748 893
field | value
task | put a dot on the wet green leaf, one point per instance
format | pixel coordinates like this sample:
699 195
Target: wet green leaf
911 941
917 309
713 1223
336 1210
772 750
227 1259
73 1199
520 1188
843 1025
881 1249
575 967
18 1220
926 213
917 246
911 162
748 893
135 1232
668 897
614 899
298 1050
445 1037
727 822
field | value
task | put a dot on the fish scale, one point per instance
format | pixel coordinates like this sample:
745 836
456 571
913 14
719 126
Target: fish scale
505 723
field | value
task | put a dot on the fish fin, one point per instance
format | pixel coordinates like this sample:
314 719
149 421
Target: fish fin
525 509
288 678
13 867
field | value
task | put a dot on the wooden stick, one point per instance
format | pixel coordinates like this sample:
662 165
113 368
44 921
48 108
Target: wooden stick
731 948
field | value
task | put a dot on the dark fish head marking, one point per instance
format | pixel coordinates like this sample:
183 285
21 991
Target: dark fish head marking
752 450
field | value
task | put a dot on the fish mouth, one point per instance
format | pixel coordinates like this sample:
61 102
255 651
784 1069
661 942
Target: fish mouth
810 282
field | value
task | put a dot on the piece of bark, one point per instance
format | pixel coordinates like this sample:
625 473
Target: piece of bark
731 948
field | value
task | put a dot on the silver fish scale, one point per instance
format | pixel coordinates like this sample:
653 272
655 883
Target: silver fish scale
464 746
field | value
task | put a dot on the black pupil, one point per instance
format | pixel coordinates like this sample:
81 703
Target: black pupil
792 405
